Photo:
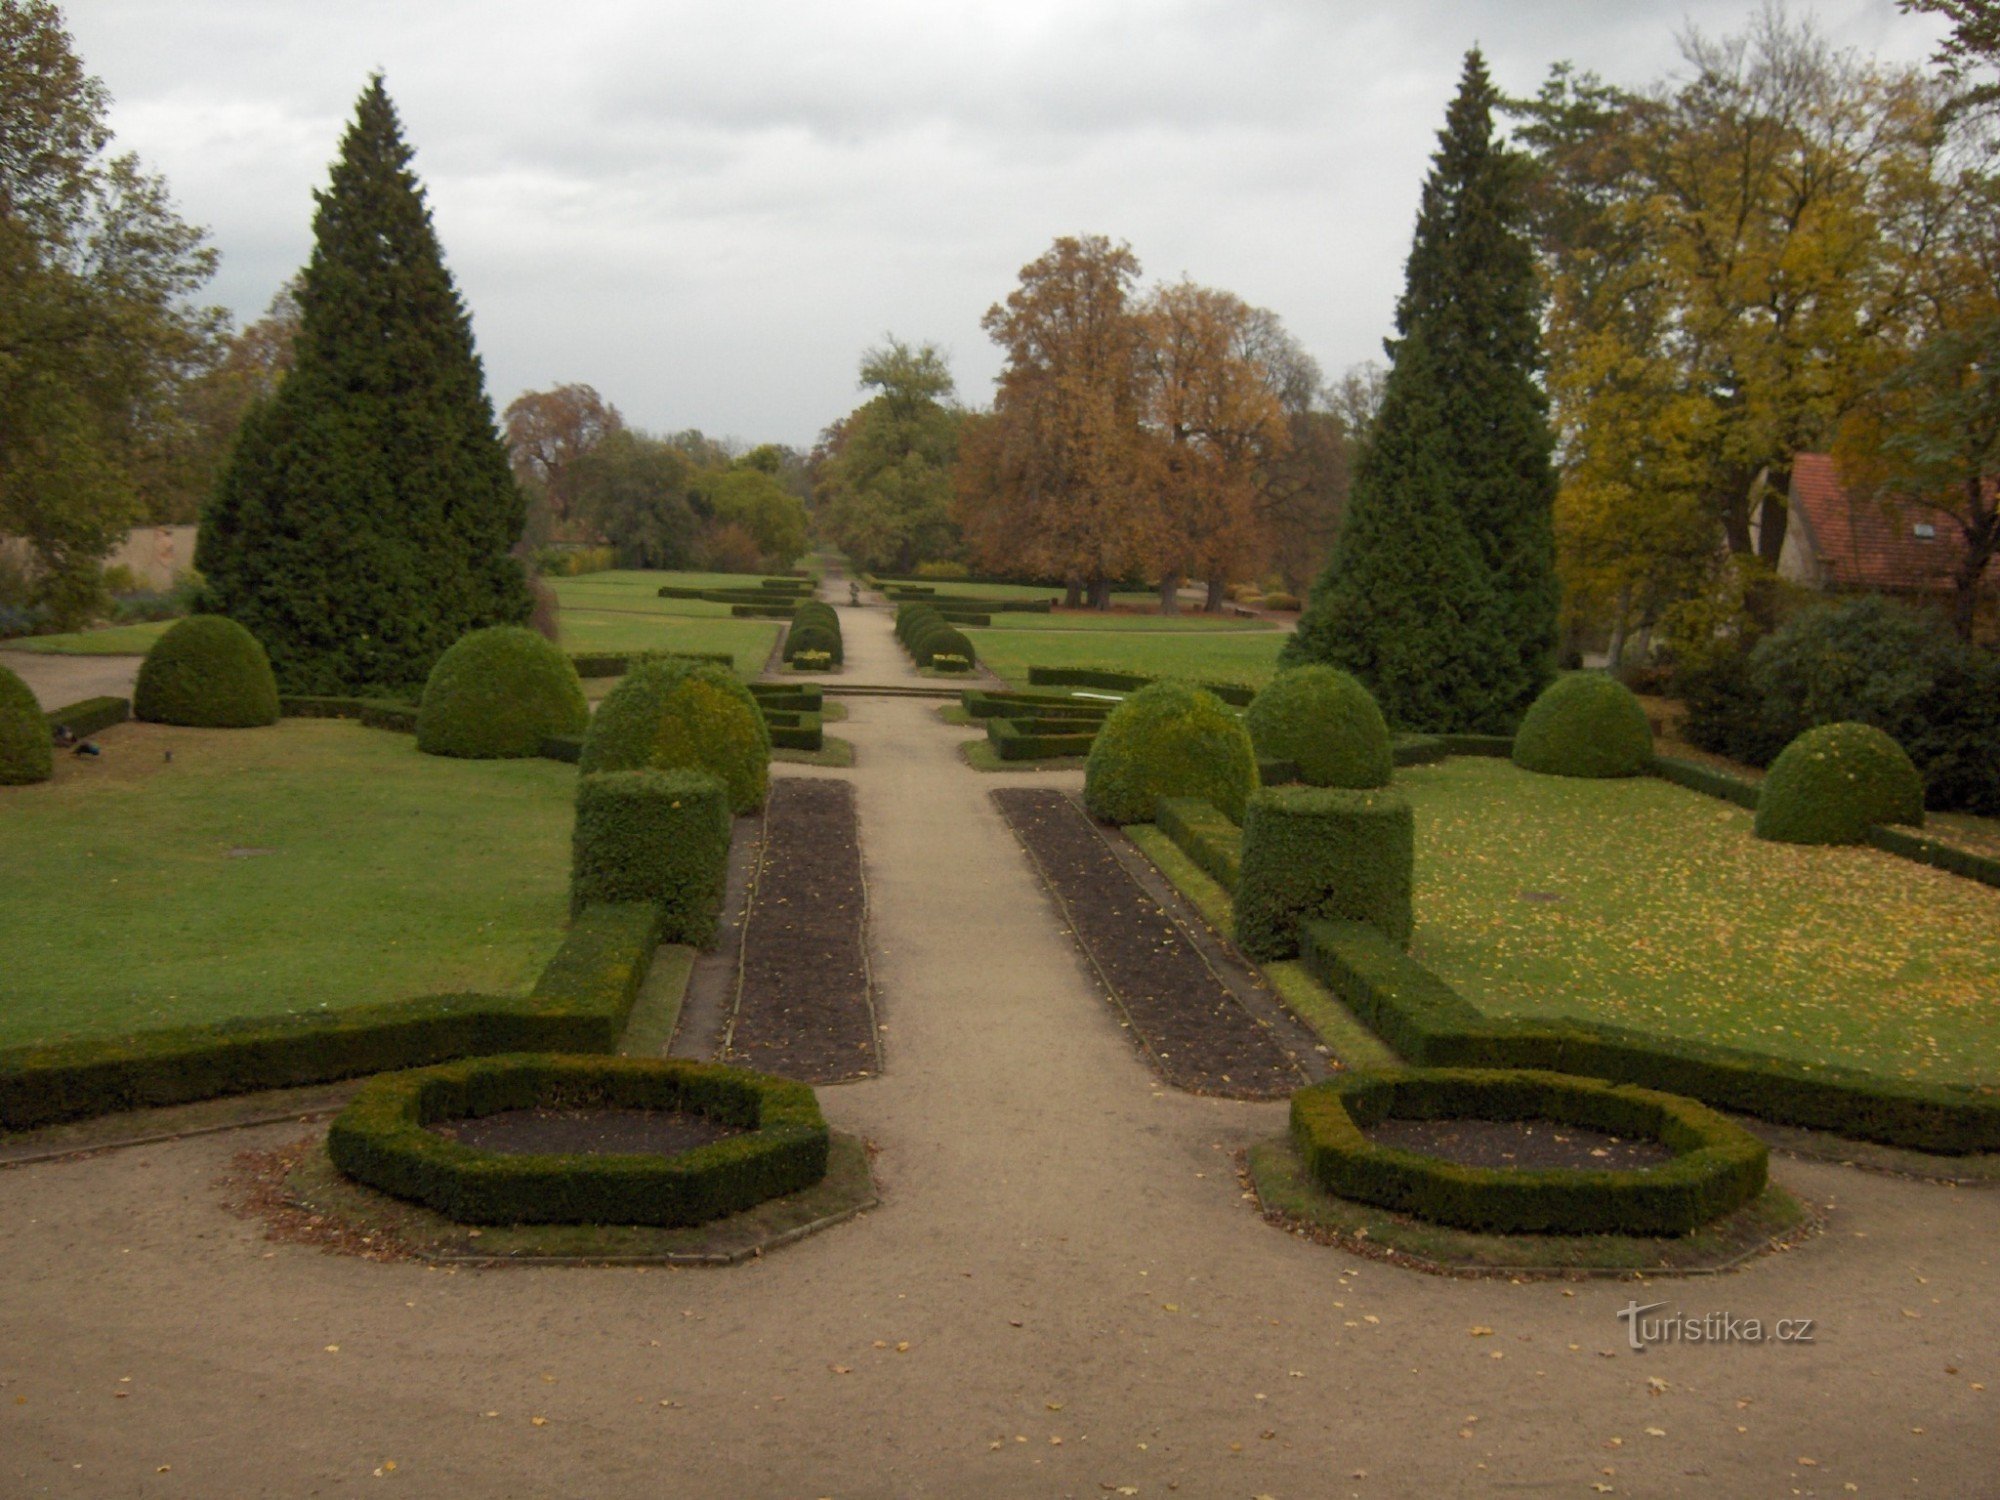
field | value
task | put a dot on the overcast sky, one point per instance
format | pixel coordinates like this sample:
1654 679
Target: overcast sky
708 211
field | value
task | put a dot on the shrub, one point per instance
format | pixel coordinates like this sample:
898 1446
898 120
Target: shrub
380 1139
497 694
208 672
683 715
1170 739
1585 724
1833 783
659 836
813 639
1325 723
25 751
1282 601
1332 853
944 572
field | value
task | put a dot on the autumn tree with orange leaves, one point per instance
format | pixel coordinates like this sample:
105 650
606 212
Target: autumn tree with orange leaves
549 433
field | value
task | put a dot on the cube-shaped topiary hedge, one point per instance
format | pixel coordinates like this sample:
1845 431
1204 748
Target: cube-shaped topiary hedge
1325 723
1169 739
683 715
1831 784
1323 853
1585 724
207 672
497 694
25 750
658 836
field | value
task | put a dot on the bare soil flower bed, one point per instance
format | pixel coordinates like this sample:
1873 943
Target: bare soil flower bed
1518 1143
1193 1030
804 1008
551 1132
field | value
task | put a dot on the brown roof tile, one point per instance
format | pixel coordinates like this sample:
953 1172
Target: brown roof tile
1870 544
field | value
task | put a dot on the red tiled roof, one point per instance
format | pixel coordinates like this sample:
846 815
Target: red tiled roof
1871 544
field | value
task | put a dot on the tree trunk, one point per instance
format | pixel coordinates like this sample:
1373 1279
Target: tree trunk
1616 650
1982 540
1100 593
1777 514
1217 588
1170 594
1072 592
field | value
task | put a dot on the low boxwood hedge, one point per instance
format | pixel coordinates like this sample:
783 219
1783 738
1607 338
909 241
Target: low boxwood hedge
1205 836
580 1004
26 750
90 715
1324 852
1235 693
1716 1166
380 1140
1039 739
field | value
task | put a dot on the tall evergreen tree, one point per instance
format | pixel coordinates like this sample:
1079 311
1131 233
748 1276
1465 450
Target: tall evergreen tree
1442 591
365 518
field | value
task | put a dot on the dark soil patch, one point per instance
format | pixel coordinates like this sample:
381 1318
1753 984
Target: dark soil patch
586 1132
804 1008
1194 1031
1518 1143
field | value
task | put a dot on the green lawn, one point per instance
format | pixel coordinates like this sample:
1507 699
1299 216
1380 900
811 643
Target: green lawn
110 640
1668 916
623 611
1248 656
314 864
1090 622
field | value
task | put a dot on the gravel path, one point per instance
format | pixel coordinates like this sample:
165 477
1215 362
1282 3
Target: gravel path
1062 1294
58 681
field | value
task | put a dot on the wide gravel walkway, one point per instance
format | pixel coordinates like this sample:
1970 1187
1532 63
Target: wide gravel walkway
1063 1293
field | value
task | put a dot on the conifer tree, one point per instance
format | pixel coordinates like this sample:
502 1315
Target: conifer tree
364 521
1441 594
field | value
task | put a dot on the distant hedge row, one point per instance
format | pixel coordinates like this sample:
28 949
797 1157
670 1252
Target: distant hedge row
815 632
933 641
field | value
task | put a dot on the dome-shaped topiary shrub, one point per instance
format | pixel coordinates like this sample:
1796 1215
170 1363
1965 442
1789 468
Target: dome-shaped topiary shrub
1585 724
207 672
1169 739
1325 723
497 694
25 753
683 715
1831 783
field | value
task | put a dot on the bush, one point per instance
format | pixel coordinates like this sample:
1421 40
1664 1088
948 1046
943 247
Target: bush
497 694
1324 722
944 572
1323 853
683 715
207 672
25 751
1833 783
1170 739
659 836
1586 724
1282 601
380 1139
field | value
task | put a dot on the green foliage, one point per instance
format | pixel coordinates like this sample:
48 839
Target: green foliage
1441 594
659 836
25 751
683 715
1316 853
1835 782
381 1140
1431 1025
1203 834
365 518
206 671
751 499
497 694
1169 739
1323 722
1585 724
884 484
815 628
1717 1166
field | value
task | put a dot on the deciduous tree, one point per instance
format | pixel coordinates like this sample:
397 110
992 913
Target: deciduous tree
883 473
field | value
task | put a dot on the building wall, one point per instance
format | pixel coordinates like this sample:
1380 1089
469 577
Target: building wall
156 555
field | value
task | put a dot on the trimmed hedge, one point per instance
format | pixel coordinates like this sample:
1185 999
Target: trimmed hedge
1706 780
1585 724
1835 782
618 663
795 730
986 703
1428 1022
1170 739
1205 836
90 715
761 611
1717 1166
376 713
1324 722
659 836
207 672
675 715
1324 852
1234 693
580 1004
799 697
1418 749
1039 739
26 752
380 1139
1939 856
496 694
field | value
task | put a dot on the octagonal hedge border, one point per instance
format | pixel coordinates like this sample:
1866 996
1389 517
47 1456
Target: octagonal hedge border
1717 1166
380 1140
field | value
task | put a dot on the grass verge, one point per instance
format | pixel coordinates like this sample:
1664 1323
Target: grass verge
1247 656
109 640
